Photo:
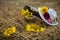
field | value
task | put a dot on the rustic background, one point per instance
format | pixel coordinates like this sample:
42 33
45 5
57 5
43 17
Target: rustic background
10 15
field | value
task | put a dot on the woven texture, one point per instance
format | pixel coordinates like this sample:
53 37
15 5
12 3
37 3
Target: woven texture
10 14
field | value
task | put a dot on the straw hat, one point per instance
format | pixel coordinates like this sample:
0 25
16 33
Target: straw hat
49 16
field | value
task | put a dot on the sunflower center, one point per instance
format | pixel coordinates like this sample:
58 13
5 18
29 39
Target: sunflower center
44 10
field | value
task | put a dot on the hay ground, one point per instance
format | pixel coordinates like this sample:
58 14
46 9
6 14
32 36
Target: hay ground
10 15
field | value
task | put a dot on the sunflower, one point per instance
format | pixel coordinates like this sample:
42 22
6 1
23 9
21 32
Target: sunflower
44 9
9 31
34 27
26 13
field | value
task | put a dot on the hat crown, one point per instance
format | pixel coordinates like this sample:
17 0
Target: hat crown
52 13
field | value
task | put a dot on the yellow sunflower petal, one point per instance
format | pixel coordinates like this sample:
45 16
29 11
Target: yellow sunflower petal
42 29
28 27
9 31
44 9
26 13
13 29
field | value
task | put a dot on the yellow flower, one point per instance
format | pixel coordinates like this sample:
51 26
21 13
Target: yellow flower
13 29
28 27
42 29
9 31
26 13
34 27
44 9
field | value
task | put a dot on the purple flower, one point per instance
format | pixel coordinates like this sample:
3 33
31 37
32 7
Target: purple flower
46 15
